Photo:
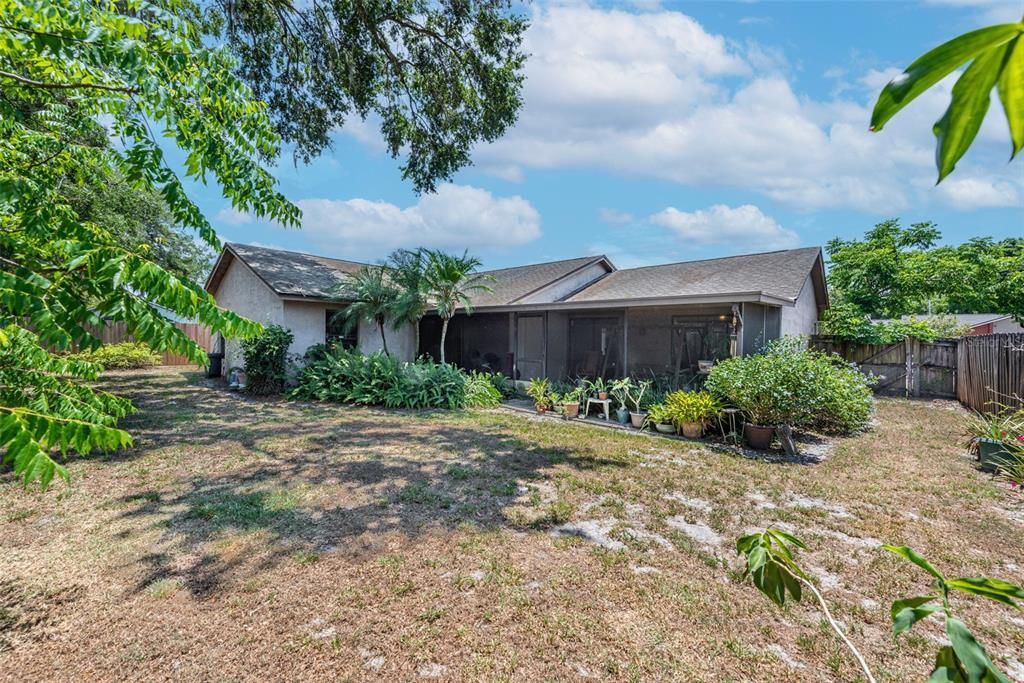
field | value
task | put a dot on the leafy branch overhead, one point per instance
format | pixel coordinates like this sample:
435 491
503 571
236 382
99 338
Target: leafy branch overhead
64 271
439 77
996 56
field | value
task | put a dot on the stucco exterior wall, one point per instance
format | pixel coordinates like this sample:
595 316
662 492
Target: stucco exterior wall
401 341
569 285
307 321
800 319
245 294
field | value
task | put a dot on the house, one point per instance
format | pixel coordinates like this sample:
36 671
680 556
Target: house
988 323
570 318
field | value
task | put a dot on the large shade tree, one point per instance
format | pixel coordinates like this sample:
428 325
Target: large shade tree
437 76
451 281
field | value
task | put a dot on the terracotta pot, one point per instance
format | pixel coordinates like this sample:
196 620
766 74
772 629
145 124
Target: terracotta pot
541 410
665 428
602 396
637 419
758 436
571 410
693 430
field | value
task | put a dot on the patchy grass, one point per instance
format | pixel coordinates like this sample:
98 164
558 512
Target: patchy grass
322 542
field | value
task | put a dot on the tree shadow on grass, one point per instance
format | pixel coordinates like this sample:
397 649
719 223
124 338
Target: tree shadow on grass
323 479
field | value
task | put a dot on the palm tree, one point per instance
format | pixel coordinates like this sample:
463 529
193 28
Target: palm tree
372 294
408 272
450 280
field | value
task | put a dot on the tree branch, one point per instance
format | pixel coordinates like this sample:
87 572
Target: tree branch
65 86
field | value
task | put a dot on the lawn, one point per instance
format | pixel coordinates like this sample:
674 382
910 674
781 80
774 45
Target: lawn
261 539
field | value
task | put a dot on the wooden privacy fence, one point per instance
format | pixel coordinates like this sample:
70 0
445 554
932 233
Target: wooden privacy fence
116 332
990 371
909 367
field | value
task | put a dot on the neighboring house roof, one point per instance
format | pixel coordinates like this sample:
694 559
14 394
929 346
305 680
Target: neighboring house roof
287 273
774 277
512 284
776 274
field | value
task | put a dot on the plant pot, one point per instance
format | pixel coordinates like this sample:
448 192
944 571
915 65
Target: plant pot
541 409
758 436
571 410
992 454
665 427
622 415
602 396
637 419
694 430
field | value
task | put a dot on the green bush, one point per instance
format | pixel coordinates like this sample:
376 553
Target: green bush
481 391
347 376
123 356
266 360
792 385
846 322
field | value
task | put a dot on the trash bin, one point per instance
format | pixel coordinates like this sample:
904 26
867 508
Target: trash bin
214 369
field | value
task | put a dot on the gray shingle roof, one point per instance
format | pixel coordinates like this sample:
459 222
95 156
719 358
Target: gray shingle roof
777 273
511 284
290 273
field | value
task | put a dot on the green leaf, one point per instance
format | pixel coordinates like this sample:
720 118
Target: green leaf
911 555
993 589
1011 92
906 613
972 94
933 66
971 655
946 670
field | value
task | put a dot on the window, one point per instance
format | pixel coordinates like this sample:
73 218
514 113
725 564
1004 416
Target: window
336 334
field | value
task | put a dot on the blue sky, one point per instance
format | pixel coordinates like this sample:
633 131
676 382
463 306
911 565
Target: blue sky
673 131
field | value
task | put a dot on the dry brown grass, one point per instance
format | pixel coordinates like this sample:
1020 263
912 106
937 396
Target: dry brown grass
252 540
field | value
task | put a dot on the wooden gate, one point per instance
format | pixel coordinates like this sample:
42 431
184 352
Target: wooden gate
906 368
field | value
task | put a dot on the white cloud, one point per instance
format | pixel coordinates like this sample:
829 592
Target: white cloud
976 193
724 225
989 11
456 217
614 216
231 216
755 20
654 94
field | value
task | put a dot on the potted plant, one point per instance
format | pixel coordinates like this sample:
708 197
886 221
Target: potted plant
660 416
600 388
690 411
992 436
619 390
539 389
634 399
571 403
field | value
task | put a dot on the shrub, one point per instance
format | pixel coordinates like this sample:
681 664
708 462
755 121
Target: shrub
347 376
691 406
794 386
481 391
123 356
266 360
